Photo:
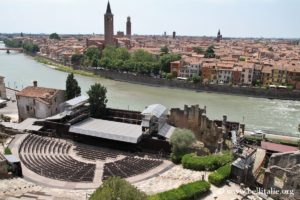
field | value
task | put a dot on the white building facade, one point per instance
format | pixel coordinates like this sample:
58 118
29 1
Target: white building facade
38 102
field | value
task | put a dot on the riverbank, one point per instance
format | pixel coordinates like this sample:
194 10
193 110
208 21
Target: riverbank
63 68
158 82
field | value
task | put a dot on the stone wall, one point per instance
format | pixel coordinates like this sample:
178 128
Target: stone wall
194 118
283 172
2 88
255 92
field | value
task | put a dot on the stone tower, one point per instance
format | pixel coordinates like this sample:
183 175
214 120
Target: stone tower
219 36
128 27
109 26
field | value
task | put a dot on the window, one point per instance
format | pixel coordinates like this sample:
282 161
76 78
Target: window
27 108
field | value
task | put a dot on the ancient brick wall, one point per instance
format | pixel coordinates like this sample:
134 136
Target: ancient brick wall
284 172
194 118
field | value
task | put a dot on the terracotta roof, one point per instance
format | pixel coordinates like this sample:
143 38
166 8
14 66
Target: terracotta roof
41 93
277 147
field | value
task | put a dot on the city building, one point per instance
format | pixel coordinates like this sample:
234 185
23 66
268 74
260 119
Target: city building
175 67
224 73
294 77
209 73
247 74
39 102
109 26
128 28
279 75
219 36
236 75
266 76
190 70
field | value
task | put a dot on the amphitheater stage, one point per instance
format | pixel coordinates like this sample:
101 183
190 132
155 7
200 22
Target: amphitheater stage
111 130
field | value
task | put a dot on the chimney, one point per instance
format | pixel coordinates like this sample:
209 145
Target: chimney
34 83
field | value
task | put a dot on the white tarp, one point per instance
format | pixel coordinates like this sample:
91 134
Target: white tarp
111 130
156 109
166 131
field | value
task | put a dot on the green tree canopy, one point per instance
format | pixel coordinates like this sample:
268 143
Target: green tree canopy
196 79
76 59
166 59
54 36
210 53
72 88
91 57
114 58
29 47
198 50
141 55
7 151
115 53
97 100
116 188
164 50
181 140
13 43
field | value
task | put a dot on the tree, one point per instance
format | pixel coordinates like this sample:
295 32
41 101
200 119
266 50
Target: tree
122 54
196 79
7 151
198 50
181 140
29 47
166 59
97 100
13 43
210 53
54 36
141 55
116 188
72 88
76 59
91 57
164 50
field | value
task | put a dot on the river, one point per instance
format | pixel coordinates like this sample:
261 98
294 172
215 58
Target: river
20 70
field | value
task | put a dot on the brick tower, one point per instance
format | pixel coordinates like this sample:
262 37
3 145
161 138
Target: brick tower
219 36
109 26
128 27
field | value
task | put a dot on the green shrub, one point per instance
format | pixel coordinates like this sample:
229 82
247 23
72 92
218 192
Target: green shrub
220 175
117 188
184 192
176 157
201 163
7 151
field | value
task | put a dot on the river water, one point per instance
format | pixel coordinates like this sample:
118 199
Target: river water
20 70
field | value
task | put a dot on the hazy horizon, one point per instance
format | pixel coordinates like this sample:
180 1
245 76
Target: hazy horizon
235 18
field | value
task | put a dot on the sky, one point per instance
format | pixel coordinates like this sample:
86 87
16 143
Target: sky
235 18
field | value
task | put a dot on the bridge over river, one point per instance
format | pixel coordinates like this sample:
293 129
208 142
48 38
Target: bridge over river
8 49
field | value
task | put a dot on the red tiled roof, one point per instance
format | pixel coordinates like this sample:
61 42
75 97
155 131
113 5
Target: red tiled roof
277 147
37 92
